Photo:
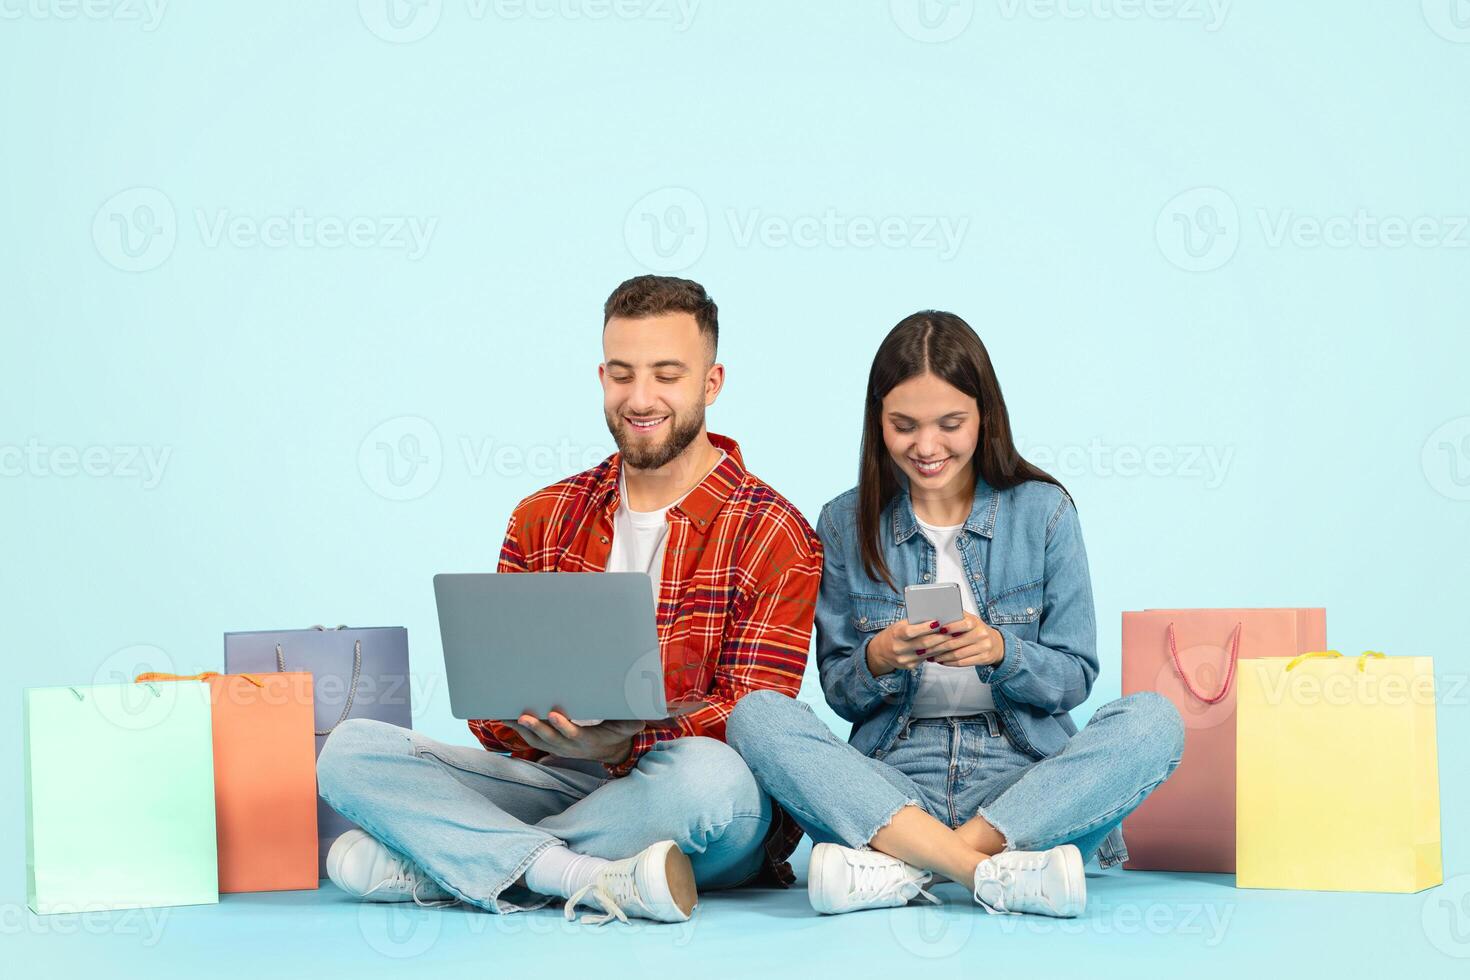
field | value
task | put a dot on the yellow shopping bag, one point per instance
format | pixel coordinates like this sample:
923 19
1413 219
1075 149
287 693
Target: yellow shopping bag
1337 774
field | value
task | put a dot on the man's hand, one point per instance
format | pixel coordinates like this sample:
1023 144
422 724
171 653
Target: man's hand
609 742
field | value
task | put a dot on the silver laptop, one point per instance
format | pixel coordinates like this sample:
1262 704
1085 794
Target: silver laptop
582 643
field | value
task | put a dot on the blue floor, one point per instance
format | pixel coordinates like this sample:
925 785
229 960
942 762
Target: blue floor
1137 924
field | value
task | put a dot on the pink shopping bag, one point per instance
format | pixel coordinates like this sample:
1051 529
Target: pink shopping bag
1190 657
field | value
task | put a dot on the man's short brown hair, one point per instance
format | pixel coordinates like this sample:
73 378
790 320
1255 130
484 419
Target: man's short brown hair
644 296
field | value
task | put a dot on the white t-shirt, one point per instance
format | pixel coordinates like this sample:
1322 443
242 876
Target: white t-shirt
640 536
950 692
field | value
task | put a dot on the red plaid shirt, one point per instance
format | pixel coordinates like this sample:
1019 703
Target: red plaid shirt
740 578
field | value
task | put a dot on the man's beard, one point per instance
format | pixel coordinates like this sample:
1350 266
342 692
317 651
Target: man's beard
682 432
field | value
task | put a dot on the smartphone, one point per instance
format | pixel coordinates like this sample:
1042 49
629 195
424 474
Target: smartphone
927 603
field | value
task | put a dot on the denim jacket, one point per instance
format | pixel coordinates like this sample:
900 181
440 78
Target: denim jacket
1022 551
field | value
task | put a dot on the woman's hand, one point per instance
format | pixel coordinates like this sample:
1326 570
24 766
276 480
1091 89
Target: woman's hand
901 646
967 643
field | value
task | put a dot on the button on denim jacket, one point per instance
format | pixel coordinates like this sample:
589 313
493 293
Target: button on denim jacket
1022 551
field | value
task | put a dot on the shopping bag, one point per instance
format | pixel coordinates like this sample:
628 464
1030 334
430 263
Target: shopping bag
264 779
119 796
357 673
1337 774
1191 657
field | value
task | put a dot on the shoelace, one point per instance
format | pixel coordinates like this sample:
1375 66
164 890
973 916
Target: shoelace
399 879
611 909
1004 879
872 882
610 882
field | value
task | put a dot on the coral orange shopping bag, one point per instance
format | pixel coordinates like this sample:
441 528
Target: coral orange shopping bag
264 779
1191 657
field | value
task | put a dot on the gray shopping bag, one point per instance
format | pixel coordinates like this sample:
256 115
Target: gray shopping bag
356 673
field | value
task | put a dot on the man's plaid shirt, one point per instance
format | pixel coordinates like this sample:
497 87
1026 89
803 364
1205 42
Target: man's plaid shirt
740 578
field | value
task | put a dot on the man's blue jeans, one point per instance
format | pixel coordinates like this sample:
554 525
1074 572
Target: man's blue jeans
958 768
474 820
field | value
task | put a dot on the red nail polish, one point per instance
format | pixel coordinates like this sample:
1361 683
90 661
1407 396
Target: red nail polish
919 652
944 631
933 624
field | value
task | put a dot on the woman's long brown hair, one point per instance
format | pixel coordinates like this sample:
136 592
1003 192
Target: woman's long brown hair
944 345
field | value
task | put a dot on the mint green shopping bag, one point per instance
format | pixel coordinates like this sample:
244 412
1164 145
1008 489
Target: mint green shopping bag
119 797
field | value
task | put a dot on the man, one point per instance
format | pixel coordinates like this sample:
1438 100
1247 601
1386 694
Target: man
624 817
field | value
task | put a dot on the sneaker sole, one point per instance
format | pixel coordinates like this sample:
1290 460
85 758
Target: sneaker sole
816 876
1076 899
679 873
338 851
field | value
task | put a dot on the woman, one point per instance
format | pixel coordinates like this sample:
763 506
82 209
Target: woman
963 760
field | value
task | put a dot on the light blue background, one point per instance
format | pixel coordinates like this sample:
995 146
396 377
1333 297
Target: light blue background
1073 145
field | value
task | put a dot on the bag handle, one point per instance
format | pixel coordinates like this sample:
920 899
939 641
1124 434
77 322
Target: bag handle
1229 668
78 694
1333 655
352 688
206 675
1314 655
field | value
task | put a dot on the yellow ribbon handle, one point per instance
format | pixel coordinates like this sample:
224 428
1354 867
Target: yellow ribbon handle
206 675
1332 654
1315 655
175 677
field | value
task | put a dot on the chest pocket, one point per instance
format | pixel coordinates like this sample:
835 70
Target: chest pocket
1018 608
871 613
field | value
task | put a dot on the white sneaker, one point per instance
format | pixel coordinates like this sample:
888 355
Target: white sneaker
1042 882
657 883
843 879
366 869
